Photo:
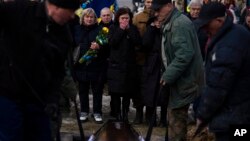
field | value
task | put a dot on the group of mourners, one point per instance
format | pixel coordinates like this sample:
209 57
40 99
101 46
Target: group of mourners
130 63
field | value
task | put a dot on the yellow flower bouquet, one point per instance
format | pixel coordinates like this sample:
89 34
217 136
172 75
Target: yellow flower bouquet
101 39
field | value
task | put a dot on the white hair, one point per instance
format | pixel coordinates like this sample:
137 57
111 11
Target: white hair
195 2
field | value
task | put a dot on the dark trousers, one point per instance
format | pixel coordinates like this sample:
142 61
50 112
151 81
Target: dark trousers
112 106
137 97
23 122
121 104
97 90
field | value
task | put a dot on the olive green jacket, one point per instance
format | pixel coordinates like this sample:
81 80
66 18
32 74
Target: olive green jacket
182 60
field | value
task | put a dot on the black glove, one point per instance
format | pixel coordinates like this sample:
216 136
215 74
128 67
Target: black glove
52 110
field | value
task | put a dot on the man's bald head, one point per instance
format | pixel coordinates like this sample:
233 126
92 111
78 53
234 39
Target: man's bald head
106 15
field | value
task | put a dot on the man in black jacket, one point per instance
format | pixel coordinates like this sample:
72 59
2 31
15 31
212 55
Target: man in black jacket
225 100
35 41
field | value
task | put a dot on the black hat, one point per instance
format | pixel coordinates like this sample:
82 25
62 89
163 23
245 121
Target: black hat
210 11
157 4
68 4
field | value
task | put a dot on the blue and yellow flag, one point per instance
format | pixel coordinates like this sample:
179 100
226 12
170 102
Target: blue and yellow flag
97 5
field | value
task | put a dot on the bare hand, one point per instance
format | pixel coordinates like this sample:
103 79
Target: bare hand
162 82
157 24
198 122
124 25
199 127
94 45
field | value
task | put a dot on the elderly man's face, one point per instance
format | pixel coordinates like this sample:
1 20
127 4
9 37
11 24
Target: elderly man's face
195 10
106 16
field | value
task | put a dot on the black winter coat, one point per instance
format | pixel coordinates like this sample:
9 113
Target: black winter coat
202 36
101 24
122 75
247 27
33 51
226 98
152 68
96 69
107 48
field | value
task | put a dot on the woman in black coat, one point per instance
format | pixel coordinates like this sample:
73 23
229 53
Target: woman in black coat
122 77
152 71
94 73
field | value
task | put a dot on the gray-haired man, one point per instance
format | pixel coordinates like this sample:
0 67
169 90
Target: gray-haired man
183 65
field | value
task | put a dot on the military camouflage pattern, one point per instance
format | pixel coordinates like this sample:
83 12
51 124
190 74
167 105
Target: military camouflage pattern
177 123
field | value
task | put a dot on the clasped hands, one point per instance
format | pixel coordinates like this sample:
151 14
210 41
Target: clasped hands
94 45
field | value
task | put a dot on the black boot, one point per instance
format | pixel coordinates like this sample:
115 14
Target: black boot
112 108
118 117
125 115
138 115
163 120
149 115
125 109
116 104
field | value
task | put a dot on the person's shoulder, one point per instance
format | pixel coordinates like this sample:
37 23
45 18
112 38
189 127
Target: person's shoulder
133 27
237 30
183 21
141 14
240 28
99 27
113 28
235 37
240 31
19 4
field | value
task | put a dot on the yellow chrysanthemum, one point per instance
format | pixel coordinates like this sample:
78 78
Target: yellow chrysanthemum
105 30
